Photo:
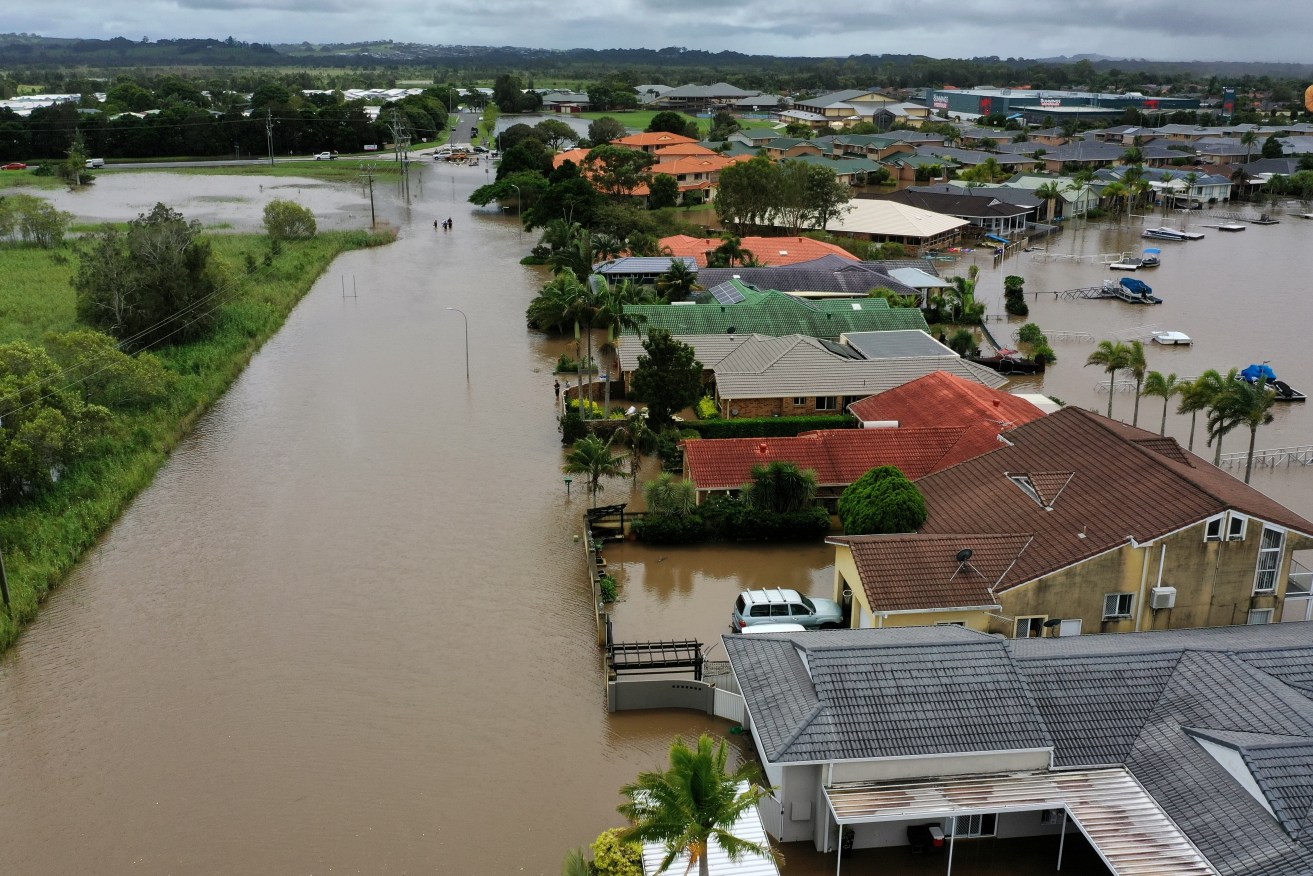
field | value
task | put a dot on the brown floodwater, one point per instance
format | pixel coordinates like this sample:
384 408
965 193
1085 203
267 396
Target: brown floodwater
345 629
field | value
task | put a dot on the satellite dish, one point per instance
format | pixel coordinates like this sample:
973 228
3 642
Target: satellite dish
1308 99
964 555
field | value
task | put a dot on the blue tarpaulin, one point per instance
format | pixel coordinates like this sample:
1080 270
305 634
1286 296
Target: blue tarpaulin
1254 372
1138 287
1001 240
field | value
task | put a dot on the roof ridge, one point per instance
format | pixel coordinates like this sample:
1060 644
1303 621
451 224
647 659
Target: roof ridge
804 724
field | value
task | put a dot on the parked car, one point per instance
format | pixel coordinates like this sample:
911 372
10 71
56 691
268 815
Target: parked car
95 162
777 605
480 148
14 165
324 156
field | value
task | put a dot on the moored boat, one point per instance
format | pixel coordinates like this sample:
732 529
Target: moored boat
1172 339
1151 257
1135 291
1284 392
1165 233
1231 226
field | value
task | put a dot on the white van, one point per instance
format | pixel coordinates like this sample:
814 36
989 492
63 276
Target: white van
95 162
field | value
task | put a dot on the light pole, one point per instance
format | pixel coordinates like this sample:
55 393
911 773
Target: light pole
568 481
467 341
519 223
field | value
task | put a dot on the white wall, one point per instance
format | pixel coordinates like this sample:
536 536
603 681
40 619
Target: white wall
798 793
1012 824
946 765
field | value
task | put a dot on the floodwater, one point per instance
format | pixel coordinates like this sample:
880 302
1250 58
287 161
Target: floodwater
346 628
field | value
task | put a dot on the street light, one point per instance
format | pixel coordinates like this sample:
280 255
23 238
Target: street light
568 481
519 223
467 341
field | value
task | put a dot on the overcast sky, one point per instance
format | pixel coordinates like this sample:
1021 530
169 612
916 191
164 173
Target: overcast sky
1266 30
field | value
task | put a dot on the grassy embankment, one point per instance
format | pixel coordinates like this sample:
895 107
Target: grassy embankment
43 539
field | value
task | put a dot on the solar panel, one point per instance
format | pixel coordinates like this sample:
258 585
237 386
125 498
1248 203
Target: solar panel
727 293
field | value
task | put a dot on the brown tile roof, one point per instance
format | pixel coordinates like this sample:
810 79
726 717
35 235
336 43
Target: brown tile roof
1124 482
684 149
653 138
838 456
768 251
921 572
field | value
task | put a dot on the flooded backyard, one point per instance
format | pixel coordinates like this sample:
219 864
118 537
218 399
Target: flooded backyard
346 629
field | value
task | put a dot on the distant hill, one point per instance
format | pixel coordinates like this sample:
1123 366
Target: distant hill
27 51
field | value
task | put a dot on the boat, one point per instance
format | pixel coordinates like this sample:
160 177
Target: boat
1284 392
1172 339
1008 362
1165 233
1306 215
1126 264
1135 291
1151 257
1265 219
1231 226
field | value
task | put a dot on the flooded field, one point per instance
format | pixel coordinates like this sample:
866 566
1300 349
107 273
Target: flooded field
345 629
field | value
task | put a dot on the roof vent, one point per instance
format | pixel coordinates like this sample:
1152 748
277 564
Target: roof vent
761 448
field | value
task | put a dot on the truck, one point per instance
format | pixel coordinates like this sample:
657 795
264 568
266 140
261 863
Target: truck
95 162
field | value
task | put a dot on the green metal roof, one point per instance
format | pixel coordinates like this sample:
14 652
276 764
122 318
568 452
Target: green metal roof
777 314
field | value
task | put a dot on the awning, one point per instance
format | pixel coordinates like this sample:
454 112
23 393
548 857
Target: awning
1123 823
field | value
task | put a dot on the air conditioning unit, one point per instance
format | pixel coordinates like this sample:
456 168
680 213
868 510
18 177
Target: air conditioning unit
1162 597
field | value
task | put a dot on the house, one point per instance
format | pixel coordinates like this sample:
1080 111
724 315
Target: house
885 221
943 399
766 251
566 102
1183 752
641 269
1108 529
988 214
702 97
832 275
652 141
1073 200
650 93
839 108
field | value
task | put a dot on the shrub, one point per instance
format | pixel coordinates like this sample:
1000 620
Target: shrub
667 494
1016 307
881 501
769 427
1043 354
963 342
707 409
614 856
288 220
609 587
572 427
670 528
1031 334
592 408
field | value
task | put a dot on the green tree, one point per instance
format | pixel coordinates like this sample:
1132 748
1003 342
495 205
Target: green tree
592 457
1196 396
723 124
617 171
668 377
1221 417
1049 192
1136 364
108 376
663 191
604 130
1250 405
1112 356
678 280
46 425
729 253
32 220
881 501
152 283
529 155
748 193
555 133
288 220
615 856
1162 386
1247 140
673 123
780 487
668 495
693 804
73 169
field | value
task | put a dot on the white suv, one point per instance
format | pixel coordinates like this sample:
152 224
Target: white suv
776 606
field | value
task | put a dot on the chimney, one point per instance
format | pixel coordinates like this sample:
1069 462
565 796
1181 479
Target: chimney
761 448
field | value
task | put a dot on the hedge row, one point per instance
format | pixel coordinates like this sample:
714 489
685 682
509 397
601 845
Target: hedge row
725 519
769 427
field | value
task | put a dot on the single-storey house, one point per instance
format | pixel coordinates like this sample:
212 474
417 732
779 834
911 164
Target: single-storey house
886 221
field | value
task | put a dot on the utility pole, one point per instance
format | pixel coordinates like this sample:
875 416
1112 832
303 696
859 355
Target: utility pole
401 139
4 582
269 132
367 171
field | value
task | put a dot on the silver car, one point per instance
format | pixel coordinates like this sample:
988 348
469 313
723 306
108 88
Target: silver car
776 605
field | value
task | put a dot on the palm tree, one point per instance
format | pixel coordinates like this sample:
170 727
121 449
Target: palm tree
576 257
1135 362
592 457
678 280
965 287
610 315
667 494
1196 396
1221 415
693 804
1116 192
575 864
1164 387
1250 405
731 251
638 439
780 487
1049 192
1113 356
1247 140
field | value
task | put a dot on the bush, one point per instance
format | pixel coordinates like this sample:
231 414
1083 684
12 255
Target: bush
1043 354
1031 334
769 427
613 856
707 409
1016 307
881 501
670 528
288 220
963 342
572 427
609 587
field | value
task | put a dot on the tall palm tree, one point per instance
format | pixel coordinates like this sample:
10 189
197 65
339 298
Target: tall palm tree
592 457
1250 405
610 314
1163 387
1113 356
678 280
1221 414
1247 140
1196 396
1137 366
1117 194
693 804
780 487
1049 192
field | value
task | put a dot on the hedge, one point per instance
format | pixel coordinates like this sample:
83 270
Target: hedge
722 518
769 427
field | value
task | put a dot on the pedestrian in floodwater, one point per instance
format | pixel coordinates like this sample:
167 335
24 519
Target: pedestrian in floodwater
435 224
557 386
450 224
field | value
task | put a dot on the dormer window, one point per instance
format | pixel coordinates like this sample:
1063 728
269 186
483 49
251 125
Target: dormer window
1235 527
1213 528
1027 486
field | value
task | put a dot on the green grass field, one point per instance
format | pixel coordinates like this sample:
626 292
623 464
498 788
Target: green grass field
640 119
44 537
20 179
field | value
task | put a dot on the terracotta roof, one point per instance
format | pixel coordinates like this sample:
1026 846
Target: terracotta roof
576 155
684 149
901 573
1099 483
654 138
768 251
838 456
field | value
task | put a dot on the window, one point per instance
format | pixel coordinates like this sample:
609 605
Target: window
827 403
1260 616
950 623
973 825
1269 559
1235 527
800 401
1030 627
779 610
1213 529
1117 605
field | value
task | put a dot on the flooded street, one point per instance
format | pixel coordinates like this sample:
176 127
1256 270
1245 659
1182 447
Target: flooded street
346 628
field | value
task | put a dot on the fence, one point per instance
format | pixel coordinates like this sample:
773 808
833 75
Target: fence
1302 455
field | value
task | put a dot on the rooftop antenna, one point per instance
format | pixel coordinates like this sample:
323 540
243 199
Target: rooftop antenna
964 562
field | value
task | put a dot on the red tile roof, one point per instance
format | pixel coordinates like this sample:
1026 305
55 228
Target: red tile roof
921 572
684 149
838 456
769 251
1099 482
653 138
